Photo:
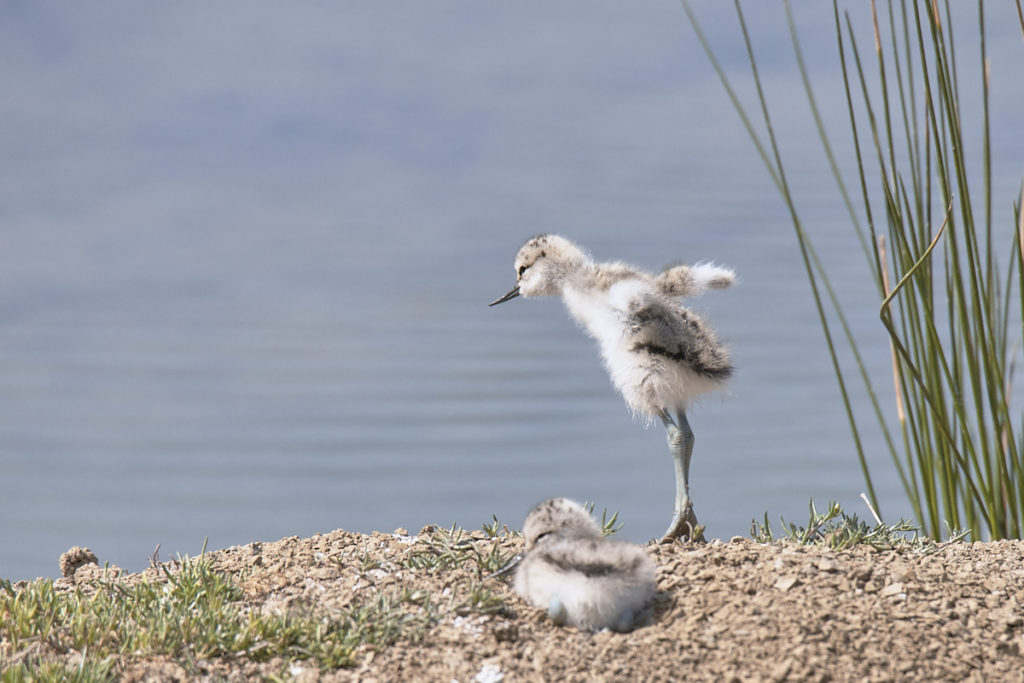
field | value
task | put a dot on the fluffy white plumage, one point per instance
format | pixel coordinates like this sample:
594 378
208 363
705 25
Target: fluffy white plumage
581 578
659 355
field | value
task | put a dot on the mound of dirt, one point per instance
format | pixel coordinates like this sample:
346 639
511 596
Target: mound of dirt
725 611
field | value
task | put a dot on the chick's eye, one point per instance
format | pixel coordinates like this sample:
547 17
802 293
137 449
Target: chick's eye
522 269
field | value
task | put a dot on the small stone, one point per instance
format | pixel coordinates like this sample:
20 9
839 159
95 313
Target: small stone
903 574
892 589
505 631
781 670
860 574
828 566
74 558
93 572
786 582
489 673
324 573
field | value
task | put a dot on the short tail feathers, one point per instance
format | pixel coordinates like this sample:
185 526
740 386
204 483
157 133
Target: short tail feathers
684 281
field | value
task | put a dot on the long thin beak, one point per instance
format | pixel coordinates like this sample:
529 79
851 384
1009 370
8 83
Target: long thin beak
513 293
509 566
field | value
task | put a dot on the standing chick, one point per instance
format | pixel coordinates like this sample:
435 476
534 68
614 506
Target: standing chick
660 355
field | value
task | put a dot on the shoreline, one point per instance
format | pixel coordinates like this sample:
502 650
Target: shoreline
733 610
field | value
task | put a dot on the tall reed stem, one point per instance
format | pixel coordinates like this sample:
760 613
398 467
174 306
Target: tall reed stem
949 315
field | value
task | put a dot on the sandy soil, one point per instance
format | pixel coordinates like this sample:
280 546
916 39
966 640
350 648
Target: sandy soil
725 611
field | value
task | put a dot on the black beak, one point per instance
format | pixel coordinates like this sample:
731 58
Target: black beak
513 293
509 566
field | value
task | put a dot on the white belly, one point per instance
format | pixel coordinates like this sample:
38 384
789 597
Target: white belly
650 384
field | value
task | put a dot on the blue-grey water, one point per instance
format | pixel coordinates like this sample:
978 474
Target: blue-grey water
248 249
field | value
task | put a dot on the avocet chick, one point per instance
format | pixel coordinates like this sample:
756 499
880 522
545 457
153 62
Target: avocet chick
580 577
660 355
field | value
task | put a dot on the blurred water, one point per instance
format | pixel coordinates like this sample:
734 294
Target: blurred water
248 250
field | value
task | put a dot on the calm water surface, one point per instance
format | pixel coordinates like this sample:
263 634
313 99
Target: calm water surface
248 252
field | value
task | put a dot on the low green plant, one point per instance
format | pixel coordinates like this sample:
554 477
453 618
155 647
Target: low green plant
365 560
37 670
609 525
836 529
197 613
494 529
453 548
479 599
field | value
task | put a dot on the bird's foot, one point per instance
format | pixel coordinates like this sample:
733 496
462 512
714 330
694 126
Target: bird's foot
624 622
684 527
557 611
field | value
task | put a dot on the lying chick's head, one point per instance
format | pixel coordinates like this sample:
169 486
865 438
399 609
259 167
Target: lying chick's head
559 517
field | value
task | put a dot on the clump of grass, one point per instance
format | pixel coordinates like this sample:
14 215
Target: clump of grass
453 548
37 670
377 623
838 530
195 614
479 599
609 525
366 562
495 529
189 611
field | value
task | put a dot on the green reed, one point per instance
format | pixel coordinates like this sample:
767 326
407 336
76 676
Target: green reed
954 302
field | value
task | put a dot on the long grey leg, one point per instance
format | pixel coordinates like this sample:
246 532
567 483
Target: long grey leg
680 443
